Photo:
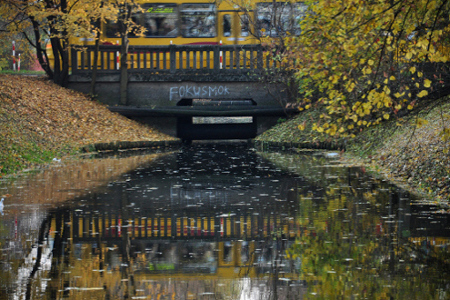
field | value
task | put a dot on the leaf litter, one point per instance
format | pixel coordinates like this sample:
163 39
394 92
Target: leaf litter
40 120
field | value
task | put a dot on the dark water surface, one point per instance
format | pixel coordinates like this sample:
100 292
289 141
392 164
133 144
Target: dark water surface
218 221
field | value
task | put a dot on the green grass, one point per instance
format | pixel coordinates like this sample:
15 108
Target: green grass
22 72
288 131
19 148
17 156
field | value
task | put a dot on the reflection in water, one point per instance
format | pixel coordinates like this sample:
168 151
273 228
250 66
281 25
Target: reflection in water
223 222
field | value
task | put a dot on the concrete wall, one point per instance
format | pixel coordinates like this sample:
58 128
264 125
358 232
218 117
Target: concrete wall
168 94
149 94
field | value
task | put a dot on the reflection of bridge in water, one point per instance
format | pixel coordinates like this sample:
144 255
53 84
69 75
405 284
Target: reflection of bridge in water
191 251
243 198
179 217
227 226
179 221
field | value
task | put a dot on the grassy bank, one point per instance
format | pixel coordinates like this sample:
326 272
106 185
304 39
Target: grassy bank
40 121
414 157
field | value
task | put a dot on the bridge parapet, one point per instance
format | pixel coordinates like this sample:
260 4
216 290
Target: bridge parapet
178 62
163 75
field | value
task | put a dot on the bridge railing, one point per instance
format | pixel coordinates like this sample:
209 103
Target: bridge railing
171 60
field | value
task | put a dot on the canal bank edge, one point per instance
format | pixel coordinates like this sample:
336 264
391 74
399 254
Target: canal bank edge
415 158
348 159
127 145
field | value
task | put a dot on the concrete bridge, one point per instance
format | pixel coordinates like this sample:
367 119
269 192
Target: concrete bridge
179 88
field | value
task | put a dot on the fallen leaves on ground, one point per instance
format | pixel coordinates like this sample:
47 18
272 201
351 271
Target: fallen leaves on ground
38 116
419 156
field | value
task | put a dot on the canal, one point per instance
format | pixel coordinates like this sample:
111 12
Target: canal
218 221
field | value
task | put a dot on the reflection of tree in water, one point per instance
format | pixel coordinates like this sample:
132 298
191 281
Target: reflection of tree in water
329 255
269 262
348 232
351 251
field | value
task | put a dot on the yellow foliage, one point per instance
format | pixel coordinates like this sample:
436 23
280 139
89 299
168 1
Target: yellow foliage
372 57
422 94
421 122
367 70
445 134
317 128
351 86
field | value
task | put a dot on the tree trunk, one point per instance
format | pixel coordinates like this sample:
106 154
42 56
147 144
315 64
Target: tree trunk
124 27
59 46
56 58
61 61
64 76
95 65
40 52
123 70
65 63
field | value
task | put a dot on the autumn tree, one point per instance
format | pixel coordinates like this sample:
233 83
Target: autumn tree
126 26
362 62
269 23
122 14
54 23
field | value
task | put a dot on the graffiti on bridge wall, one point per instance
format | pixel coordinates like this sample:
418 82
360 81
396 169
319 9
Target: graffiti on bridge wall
191 91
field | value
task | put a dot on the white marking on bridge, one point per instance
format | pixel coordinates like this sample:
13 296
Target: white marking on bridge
190 91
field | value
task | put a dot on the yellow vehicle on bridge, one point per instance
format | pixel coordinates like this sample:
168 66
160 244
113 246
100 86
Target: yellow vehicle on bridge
196 22
191 22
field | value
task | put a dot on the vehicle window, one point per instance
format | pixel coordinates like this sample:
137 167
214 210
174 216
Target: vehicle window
227 25
298 13
112 29
159 20
245 25
198 20
274 19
